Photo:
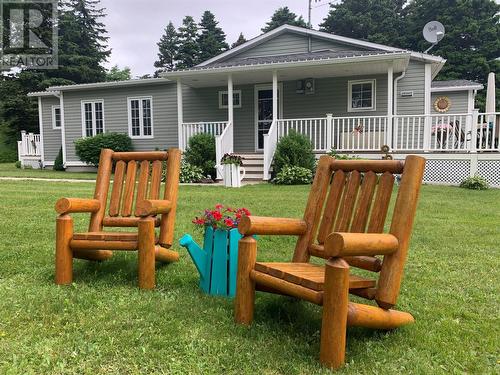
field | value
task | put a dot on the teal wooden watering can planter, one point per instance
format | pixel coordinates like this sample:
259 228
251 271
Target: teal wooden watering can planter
217 262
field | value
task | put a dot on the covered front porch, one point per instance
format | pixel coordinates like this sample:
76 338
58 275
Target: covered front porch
342 103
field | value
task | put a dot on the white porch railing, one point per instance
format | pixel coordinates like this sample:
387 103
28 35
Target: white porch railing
223 145
29 145
270 142
192 128
466 132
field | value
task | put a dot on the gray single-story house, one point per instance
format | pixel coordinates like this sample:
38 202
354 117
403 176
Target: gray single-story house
347 94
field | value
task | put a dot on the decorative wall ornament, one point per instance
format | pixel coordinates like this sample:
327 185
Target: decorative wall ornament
442 104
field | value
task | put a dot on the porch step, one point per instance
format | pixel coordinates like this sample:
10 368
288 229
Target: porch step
254 166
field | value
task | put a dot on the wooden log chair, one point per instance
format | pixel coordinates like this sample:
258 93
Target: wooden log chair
148 212
343 223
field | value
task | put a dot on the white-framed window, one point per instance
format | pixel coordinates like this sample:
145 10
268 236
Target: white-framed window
56 117
92 117
361 95
140 117
223 99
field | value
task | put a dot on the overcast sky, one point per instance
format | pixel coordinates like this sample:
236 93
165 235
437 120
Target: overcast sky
135 26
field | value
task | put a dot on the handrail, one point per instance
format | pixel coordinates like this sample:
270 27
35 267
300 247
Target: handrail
223 145
192 128
270 142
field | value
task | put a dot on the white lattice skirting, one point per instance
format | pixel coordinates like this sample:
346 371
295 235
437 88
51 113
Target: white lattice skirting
454 171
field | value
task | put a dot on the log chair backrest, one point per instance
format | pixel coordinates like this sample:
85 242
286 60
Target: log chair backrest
354 196
147 169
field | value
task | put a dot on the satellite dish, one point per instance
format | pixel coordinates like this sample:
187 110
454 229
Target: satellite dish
433 32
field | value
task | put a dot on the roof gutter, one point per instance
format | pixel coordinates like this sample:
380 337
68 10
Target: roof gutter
456 88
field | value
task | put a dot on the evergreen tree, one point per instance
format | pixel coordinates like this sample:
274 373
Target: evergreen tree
378 21
241 40
189 51
168 49
117 74
82 42
281 17
211 40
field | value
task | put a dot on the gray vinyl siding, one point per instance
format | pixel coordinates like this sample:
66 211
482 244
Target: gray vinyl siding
318 44
292 43
330 96
164 102
202 104
459 101
414 80
51 137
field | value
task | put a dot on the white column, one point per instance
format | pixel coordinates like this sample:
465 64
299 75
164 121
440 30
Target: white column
427 106
275 95
230 109
180 115
390 98
40 126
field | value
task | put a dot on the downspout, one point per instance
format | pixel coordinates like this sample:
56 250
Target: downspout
395 99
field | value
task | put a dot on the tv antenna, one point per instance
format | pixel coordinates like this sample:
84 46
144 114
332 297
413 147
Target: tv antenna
433 33
309 23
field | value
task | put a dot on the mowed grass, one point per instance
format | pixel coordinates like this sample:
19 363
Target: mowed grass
104 324
10 170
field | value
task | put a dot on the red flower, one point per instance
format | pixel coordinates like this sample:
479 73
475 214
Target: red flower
217 215
238 215
219 206
199 221
229 222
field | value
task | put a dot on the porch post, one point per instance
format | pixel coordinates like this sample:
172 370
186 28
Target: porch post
180 117
427 106
230 109
390 98
275 95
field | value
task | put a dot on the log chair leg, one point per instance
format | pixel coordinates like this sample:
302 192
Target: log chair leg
335 305
245 286
146 256
64 254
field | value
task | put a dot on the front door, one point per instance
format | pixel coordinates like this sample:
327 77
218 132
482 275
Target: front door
264 113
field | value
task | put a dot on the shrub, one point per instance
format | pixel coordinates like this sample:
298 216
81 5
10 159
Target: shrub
89 149
8 155
190 173
475 183
58 163
294 150
201 153
18 164
333 153
293 175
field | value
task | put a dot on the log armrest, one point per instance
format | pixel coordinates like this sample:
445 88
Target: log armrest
250 225
69 205
153 207
352 244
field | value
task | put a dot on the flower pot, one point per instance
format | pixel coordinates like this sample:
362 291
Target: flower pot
233 174
217 262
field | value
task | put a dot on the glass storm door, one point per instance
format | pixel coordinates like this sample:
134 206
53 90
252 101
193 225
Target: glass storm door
264 114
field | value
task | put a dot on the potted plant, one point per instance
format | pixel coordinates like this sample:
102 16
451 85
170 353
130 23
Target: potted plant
217 261
232 170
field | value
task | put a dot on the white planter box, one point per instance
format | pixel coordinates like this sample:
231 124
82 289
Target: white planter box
233 175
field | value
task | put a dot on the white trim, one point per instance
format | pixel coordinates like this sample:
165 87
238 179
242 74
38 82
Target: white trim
470 101
77 164
63 129
180 114
40 125
43 93
82 109
427 89
319 34
141 117
222 92
264 86
53 114
456 88
373 107
86 86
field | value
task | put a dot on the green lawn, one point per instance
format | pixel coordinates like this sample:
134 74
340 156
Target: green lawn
104 324
10 170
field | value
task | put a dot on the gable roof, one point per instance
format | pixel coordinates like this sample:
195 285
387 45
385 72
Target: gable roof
436 61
